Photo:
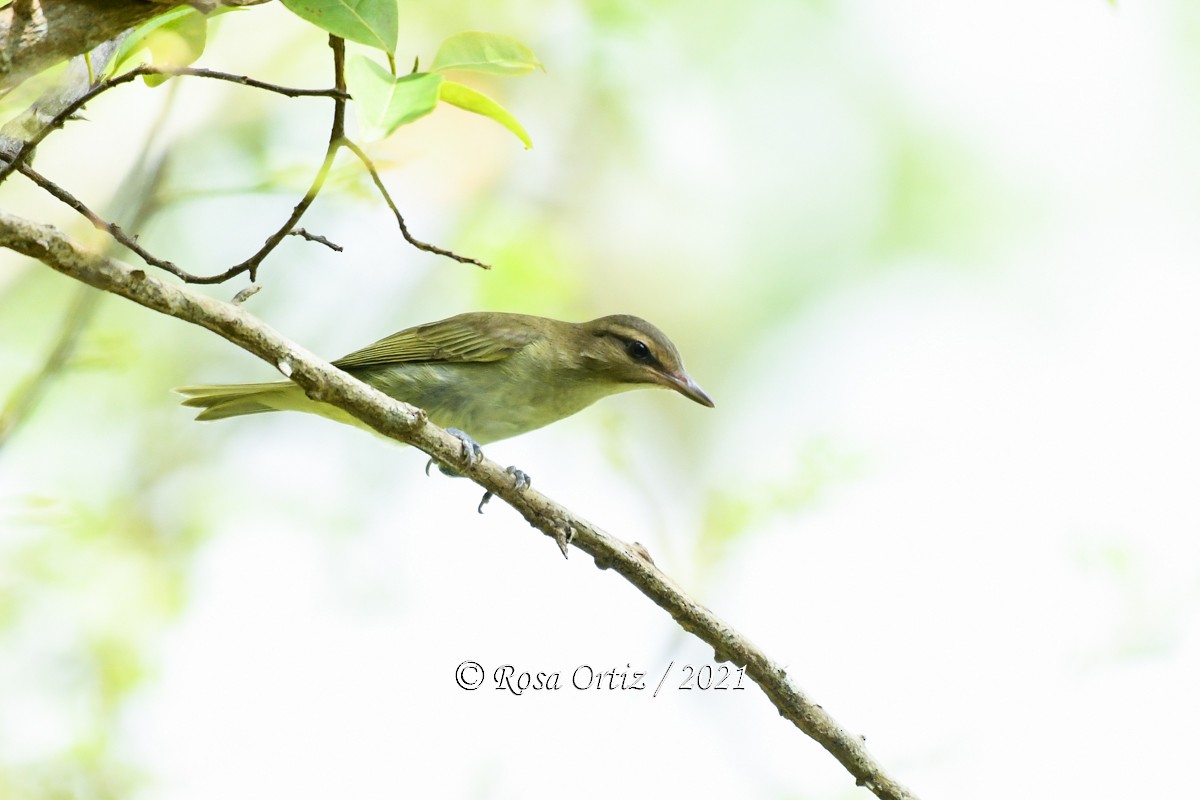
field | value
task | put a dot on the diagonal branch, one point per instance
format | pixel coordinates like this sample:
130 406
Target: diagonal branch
111 228
407 424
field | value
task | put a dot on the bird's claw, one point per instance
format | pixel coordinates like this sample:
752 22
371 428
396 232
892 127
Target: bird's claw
472 453
521 482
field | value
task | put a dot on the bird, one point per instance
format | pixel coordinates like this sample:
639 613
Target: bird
485 376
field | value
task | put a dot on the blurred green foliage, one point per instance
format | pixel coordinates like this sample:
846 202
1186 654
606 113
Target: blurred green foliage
653 196
740 509
105 547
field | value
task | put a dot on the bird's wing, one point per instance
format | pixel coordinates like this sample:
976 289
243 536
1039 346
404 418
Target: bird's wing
467 337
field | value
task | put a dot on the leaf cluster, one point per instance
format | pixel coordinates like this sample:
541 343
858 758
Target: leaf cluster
385 100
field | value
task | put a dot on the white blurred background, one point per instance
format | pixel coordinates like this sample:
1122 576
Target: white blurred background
937 265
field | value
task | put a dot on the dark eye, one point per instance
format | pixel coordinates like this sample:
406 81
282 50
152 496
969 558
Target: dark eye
637 350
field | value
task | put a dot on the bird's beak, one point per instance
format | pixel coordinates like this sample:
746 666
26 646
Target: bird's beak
683 383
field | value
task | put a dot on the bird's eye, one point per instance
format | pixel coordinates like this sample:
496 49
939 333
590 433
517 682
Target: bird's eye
637 350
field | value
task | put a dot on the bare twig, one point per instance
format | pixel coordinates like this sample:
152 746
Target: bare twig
111 228
17 163
322 382
312 237
387 198
69 110
338 93
336 134
337 140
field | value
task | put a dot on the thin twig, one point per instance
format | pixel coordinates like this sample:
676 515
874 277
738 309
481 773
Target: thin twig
111 228
337 140
387 198
68 111
313 237
243 80
336 134
250 265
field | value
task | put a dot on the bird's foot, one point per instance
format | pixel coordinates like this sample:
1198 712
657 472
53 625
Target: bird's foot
521 482
472 454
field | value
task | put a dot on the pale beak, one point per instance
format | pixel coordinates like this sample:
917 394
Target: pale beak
683 383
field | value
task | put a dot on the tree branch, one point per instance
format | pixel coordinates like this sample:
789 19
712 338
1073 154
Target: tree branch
36 34
112 229
402 422
39 34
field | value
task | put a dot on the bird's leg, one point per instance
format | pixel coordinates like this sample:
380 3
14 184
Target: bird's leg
521 482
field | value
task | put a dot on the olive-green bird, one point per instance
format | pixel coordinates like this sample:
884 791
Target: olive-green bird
490 375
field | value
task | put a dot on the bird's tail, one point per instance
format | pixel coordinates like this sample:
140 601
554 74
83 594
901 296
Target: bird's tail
235 400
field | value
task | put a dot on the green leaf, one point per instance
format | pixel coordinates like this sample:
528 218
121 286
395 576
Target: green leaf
174 39
468 99
177 44
388 102
492 53
374 23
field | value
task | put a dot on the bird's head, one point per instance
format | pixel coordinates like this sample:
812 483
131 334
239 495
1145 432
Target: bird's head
624 349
